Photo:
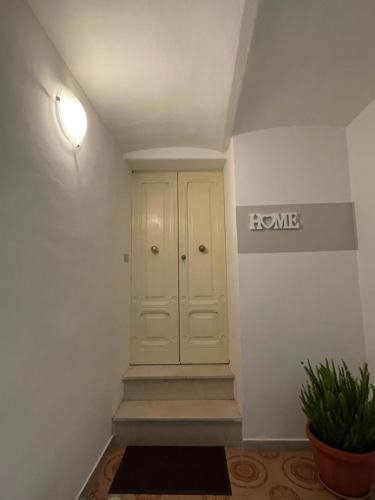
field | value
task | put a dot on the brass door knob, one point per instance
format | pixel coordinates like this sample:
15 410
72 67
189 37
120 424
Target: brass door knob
202 248
183 257
154 249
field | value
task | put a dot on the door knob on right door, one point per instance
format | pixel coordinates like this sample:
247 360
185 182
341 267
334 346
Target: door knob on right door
202 248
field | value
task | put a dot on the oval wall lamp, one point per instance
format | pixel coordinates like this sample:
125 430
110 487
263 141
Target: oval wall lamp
71 116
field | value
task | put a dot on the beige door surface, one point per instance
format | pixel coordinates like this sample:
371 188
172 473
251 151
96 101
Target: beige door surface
155 321
179 311
203 309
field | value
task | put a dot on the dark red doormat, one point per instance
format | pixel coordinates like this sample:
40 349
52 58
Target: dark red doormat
173 470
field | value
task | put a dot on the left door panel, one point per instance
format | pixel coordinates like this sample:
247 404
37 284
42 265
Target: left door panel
155 320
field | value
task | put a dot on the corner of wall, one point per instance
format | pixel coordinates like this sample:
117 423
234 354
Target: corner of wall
232 273
360 152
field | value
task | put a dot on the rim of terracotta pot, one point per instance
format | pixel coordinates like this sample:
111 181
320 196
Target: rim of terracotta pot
346 456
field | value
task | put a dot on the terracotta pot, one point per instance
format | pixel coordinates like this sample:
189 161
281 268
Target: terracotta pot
347 474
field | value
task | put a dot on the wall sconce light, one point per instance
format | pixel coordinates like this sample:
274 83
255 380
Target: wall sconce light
72 117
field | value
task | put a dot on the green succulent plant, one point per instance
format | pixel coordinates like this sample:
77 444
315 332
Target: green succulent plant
340 407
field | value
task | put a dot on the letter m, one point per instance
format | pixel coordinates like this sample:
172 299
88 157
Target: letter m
281 221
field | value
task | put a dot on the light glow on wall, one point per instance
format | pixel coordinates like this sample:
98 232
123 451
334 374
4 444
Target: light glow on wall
72 117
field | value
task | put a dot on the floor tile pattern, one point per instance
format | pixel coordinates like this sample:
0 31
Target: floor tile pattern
264 475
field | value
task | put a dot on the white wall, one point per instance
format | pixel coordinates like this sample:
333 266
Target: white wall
293 306
232 274
361 153
64 225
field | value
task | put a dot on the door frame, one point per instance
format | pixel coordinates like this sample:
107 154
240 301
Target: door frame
227 254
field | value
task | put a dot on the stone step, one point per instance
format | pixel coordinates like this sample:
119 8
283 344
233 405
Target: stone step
169 382
184 410
178 422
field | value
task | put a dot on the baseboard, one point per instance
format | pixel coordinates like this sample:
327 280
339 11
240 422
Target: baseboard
275 444
94 467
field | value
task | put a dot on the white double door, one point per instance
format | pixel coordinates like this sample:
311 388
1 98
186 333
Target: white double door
179 310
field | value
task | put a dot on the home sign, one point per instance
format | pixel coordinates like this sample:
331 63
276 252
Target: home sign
285 220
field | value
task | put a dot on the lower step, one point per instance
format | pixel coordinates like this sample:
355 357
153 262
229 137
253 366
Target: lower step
192 422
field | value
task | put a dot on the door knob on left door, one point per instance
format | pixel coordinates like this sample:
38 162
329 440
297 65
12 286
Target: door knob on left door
154 249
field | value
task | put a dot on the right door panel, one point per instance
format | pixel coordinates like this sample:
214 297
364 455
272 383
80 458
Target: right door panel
202 273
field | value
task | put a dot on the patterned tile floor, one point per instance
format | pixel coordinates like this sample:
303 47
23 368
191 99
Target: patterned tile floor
254 476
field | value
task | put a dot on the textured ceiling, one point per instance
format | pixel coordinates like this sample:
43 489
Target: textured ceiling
311 62
159 72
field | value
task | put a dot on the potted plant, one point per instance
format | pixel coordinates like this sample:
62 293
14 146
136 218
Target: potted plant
340 410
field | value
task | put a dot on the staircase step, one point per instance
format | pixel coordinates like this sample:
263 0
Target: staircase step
184 410
167 372
169 382
178 422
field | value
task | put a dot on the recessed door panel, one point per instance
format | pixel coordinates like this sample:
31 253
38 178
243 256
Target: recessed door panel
203 310
155 323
